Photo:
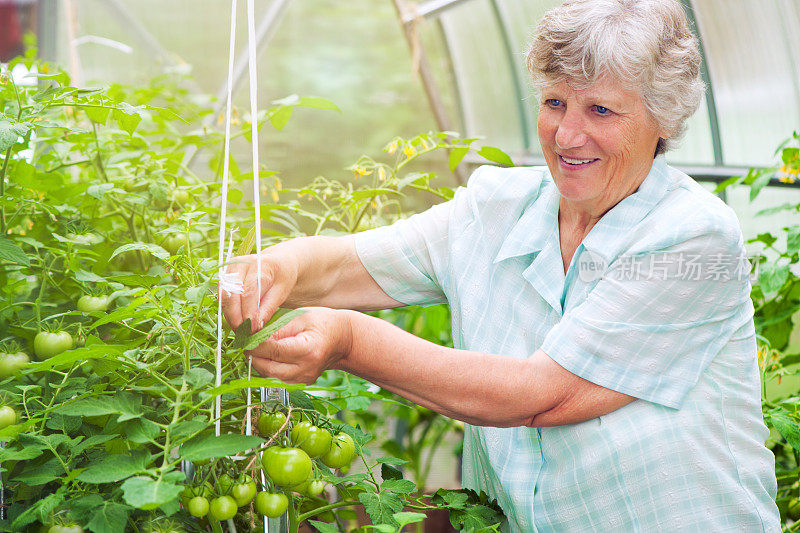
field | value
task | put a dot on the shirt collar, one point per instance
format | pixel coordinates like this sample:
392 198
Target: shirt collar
539 220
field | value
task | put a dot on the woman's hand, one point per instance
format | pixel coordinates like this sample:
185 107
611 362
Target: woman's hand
303 272
305 347
278 279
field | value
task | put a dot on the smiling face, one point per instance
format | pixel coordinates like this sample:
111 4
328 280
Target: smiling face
598 143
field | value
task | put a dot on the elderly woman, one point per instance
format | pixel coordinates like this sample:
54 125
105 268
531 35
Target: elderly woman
605 358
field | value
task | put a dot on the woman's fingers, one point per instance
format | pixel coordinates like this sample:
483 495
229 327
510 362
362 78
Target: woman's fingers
302 349
232 302
239 307
275 369
293 347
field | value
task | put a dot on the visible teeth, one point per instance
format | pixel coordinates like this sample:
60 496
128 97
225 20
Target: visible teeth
576 161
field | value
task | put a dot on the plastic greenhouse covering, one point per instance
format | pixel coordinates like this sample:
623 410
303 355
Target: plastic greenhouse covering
477 50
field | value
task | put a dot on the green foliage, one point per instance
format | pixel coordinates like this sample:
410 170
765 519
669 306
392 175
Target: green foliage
96 198
776 299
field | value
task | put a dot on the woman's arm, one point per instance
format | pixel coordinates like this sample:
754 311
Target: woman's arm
478 388
318 271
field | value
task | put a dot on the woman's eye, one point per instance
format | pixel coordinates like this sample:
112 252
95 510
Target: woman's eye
552 102
602 110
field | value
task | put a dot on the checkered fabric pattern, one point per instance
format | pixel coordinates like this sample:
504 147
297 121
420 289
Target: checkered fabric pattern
629 315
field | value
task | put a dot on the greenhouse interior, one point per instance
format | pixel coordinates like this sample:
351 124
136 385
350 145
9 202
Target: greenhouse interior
482 303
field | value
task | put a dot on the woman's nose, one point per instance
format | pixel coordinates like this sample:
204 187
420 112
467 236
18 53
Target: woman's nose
570 132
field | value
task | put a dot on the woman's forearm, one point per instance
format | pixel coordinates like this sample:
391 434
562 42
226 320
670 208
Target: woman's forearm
330 274
477 388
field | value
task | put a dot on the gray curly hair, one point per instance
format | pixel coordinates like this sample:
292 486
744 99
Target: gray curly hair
647 43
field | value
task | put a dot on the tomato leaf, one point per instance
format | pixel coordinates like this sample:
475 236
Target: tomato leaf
109 517
324 527
400 486
381 506
127 117
14 454
455 157
10 132
772 277
496 155
115 468
318 103
97 113
792 239
142 430
147 493
239 384
389 472
153 249
38 511
210 446
786 424
280 117
39 474
391 461
298 398
13 253
404 518
125 404
245 341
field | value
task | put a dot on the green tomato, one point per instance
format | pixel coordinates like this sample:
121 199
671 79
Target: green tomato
271 504
286 467
342 451
65 528
175 242
180 197
134 185
8 416
270 423
314 440
244 491
92 304
222 508
315 487
47 344
198 507
12 363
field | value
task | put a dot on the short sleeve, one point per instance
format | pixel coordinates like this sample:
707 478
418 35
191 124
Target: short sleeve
654 322
401 257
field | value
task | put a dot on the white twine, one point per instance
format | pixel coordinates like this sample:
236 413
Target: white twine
251 49
223 216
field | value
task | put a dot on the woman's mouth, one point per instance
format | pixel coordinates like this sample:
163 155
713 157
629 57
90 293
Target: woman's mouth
575 163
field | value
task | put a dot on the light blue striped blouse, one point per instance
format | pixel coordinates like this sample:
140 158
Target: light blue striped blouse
655 304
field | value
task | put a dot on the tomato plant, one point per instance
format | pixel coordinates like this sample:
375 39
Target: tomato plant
119 421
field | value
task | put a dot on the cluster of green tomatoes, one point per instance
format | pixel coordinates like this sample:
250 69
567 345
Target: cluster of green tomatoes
46 344
288 468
